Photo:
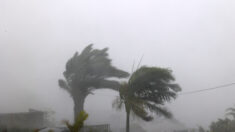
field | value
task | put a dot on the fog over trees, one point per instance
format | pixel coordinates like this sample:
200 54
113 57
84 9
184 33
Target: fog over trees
195 39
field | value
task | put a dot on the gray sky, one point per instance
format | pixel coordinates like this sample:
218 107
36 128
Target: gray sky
195 38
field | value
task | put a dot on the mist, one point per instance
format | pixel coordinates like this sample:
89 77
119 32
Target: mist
193 38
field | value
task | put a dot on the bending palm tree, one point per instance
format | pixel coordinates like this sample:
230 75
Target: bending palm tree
88 71
146 91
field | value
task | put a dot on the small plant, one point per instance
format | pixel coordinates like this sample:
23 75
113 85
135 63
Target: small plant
36 130
78 123
50 131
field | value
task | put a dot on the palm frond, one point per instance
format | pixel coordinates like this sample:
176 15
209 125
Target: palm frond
158 110
151 81
146 92
137 107
91 68
231 112
63 84
118 103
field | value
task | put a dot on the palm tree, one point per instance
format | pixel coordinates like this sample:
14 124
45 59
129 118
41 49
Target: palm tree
231 112
146 91
88 71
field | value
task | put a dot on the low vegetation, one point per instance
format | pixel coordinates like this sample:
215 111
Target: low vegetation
78 123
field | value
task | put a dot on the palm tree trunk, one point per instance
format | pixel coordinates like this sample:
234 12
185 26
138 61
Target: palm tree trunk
79 101
128 121
127 117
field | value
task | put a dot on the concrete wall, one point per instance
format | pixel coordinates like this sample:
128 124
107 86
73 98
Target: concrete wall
23 120
97 128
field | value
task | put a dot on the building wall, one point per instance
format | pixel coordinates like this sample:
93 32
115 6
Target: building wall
22 120
97 128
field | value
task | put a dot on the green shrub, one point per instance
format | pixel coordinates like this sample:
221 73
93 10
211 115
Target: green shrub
78 123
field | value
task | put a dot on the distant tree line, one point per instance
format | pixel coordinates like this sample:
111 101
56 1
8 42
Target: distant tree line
225 125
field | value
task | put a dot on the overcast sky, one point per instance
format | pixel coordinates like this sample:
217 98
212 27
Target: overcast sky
195 38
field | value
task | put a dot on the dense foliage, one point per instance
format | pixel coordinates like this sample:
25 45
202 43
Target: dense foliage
87 71
224 125
146 92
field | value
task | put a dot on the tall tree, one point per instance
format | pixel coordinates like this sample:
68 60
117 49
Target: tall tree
146 91
88 71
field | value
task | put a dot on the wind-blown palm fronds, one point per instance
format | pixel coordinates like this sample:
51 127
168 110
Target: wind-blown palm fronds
146 92
87 71
231 112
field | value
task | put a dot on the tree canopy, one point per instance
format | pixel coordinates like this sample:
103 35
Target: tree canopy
87 71
90 69
146 92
